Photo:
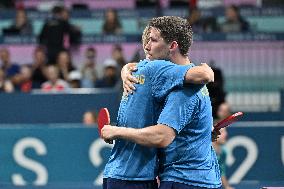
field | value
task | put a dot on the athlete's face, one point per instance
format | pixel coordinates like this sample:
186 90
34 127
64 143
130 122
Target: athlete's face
156 47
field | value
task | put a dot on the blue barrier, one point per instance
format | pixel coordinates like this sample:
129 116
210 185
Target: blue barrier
263 116
21 108
256 151
282 102
74 157
55 157
55 108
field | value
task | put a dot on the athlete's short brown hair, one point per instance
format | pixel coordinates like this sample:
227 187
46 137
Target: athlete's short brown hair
174 28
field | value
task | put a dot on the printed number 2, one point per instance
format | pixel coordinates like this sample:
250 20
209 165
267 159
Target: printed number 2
252 153
96 159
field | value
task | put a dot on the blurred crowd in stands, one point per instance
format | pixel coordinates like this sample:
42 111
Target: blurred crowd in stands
53 69
60 74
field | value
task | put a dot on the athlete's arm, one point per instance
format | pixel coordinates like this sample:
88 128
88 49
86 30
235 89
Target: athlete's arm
159 136
202 74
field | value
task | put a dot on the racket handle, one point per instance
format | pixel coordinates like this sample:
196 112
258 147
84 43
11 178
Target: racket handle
215 133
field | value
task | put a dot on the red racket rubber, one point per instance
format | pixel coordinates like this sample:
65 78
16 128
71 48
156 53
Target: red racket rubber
228 120
103 119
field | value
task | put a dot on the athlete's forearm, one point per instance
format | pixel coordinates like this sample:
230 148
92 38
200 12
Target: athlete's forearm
158 136
199 75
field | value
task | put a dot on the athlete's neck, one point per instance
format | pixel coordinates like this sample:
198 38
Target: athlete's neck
181 60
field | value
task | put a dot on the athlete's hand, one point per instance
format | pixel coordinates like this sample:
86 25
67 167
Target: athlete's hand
108 133
215 135
127 78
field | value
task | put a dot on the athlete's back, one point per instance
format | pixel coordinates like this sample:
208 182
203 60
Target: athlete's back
190 158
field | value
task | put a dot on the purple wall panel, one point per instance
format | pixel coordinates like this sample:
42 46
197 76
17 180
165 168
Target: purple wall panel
242 58
23 54
238 58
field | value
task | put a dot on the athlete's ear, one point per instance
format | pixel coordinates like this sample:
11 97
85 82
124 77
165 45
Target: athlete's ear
173 46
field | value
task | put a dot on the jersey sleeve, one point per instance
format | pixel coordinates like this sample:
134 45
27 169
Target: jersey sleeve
165 76
179 109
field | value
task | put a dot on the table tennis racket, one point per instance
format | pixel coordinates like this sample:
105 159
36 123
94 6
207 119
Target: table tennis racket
103 119
228 120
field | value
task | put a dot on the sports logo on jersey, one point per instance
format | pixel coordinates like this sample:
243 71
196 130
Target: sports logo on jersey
140 78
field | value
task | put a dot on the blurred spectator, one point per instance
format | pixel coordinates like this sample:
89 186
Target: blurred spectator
195 21
54 32
21 25
6 86
4 4
75 79
221 153
216 89
179 3
54 83
234 22
157 4
81 6
110 78
64 64
223 111
25 83
38 67
200 24
88 69
111 25
117 55
146 3
11 69
75 33
90 118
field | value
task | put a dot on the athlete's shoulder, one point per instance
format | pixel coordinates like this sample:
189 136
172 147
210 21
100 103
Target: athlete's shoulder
150 62
160 62
154 65
143 62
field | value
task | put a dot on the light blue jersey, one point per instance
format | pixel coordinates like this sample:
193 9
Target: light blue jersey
190 159
128 160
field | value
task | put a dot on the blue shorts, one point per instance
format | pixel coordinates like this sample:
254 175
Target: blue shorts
176 185
111 183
